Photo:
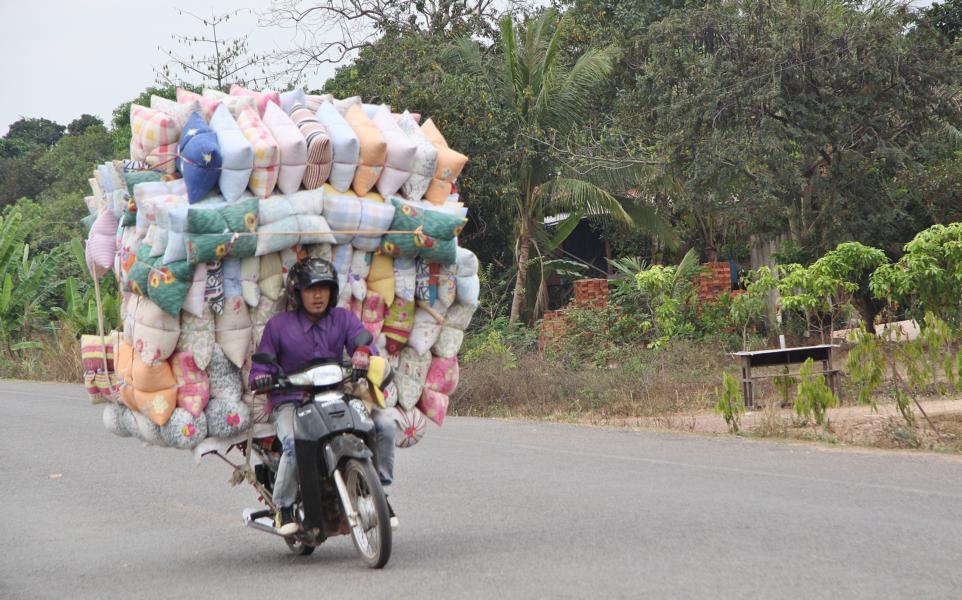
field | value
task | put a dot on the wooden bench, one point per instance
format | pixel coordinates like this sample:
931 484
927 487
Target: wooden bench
783 357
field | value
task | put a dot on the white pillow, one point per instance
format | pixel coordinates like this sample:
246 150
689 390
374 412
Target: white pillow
237 153
345 145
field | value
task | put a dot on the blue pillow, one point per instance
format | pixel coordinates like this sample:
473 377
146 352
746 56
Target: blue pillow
199 158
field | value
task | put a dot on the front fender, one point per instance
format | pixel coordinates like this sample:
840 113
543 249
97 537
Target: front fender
344 446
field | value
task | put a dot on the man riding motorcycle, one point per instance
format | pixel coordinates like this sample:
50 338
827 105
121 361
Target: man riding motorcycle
310 330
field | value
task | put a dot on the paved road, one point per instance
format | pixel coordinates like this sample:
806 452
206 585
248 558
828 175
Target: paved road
488 509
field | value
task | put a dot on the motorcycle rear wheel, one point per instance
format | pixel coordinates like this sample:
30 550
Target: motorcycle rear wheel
372 535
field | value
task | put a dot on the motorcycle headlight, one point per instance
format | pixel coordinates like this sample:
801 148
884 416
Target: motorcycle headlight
360 409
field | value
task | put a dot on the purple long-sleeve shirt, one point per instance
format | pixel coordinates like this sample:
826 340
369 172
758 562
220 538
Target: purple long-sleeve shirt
297 340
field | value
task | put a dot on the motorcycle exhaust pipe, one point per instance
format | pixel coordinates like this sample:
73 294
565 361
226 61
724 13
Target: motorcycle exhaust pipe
260 520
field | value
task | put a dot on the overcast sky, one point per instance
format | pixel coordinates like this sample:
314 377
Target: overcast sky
65 58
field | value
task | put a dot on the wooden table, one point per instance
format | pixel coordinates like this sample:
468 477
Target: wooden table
784 357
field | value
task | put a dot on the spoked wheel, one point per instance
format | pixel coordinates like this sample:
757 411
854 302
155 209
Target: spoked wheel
371 531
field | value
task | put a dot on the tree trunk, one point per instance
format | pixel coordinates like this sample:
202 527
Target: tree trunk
521 282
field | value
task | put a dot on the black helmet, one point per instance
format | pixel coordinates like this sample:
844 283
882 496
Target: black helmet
308 272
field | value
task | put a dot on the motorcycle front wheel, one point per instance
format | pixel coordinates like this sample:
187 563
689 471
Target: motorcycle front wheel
372 531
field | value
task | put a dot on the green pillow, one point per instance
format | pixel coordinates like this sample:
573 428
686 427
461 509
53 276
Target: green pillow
435 242
210 230
166 285
134 177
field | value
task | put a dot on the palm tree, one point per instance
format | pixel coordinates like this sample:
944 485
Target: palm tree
547 98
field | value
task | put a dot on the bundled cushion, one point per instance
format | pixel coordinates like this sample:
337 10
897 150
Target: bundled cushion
459 315
102 244
197 337
380 279
292 146
427 277
434 237
343 255
414 364
232 279
424 332
271 277
434 405
345 104
225 376
249 275
146 430
155 390
449 342
277 225
236 152
210 230
469 290
195 302
443 375
398 324
200 159
235 104
408 391
227 418
97 357
180 112
373 312
411 426
319 150
184 430
154 137
376 216
167 285
360 267
193 386
425 159
113 417
207 105
345 146
401 152
263 99
450 164
308 206
214 291
233 329
292 98
447 285
267 154
405 278
155 332
343 213
373 150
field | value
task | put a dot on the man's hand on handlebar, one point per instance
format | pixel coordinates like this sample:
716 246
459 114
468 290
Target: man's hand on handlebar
263 382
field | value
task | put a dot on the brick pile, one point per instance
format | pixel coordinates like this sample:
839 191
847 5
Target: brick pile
589 293
715 283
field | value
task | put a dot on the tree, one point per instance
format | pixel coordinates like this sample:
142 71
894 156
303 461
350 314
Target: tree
359 24
946 18
548 101
796 113
222 61
38 132
81 123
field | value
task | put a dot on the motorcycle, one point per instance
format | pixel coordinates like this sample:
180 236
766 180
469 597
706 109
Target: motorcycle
335 444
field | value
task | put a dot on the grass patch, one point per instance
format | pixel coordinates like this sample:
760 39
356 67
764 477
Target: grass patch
57 359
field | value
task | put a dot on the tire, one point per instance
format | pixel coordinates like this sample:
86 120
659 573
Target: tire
298 547
372 537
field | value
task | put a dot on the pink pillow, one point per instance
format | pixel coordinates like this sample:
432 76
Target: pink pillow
434 405
102 243
262 98
443 375
193 386
153 138
207 105
373 312
292 146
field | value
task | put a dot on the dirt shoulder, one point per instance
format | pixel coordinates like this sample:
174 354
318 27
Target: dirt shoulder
852 425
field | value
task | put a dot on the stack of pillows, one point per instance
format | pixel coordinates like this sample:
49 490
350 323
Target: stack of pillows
222 194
